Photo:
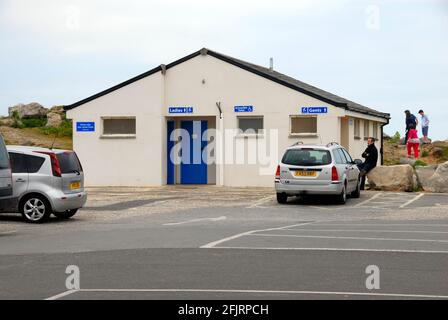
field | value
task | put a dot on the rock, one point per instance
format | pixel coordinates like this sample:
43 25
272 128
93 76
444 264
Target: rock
424 174
31 110
437 152
408 161
439 180
54 119
392 178
7 122
57 109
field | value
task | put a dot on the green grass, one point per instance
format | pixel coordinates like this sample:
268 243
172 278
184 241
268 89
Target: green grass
64 130
425 154
420 163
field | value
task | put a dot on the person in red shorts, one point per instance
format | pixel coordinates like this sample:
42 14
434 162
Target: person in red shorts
413 142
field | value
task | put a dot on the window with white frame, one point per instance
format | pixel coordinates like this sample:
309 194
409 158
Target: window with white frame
251 125
357 130
119 126
375 130
366 129
300 125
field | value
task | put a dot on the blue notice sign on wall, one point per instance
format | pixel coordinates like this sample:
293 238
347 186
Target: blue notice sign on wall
314 110
180 109
243 108
85 126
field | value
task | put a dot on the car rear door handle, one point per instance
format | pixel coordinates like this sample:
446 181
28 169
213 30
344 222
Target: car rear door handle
20 180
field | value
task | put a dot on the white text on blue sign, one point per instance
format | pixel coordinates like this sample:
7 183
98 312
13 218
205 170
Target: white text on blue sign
180 109
85 126
314 110
243 108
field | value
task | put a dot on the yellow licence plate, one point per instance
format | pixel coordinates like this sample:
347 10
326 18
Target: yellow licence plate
305 173
75 185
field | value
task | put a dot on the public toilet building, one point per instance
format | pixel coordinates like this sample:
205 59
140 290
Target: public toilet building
210 119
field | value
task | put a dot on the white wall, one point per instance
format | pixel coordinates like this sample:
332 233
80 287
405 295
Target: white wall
199 82
121 161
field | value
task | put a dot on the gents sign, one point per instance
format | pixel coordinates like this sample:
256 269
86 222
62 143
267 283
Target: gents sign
314 110
180 109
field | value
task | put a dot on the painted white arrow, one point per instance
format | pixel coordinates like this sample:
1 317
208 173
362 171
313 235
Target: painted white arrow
195 220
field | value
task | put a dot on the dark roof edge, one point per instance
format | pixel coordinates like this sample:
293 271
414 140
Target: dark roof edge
205 51
291 86
127 82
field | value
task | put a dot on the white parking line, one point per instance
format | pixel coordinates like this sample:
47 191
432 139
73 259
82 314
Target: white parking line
281 292
195 220
333 249
61 295
368 200
261 201
356 230
383 224
344 238
215 243
412 200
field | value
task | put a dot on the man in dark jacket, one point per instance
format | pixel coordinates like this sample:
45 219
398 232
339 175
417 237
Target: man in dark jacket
411 121
371 158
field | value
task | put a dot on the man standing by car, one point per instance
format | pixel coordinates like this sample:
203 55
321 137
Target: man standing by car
411 120
371 158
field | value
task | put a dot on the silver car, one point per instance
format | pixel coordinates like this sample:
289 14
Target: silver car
317 170
46 181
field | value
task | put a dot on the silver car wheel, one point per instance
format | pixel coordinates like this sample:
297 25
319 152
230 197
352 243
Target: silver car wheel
34 209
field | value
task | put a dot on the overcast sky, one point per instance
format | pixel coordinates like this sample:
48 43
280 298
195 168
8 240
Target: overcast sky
388 55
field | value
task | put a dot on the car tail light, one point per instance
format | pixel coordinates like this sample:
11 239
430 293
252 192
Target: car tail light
54 163
334 174
277 173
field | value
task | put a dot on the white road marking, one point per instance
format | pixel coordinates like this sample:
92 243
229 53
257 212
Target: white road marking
356 230
195 220
261 201
215 243
368 200
5 233
412 200
341 293
63 294
333 249
345 238
384 225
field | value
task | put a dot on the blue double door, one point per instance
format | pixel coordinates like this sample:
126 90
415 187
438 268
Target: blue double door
193 166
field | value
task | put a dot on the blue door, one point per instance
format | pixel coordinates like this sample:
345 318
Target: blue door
170 145
193 169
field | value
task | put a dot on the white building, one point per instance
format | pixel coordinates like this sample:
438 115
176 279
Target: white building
123 135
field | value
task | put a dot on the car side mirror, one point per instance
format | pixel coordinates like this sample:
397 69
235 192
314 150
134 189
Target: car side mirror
357 161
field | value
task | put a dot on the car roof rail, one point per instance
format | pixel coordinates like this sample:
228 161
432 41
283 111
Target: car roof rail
332 144
297 143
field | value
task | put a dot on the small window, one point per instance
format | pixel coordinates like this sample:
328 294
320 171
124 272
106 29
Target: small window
18 162
4 159
366 129
34 163
338 157
119 126
342 155
357 128
347 156
250 124
303 125
69 162
375 130
307 157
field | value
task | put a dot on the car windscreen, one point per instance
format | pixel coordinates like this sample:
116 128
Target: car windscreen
69 163
307 157
4 159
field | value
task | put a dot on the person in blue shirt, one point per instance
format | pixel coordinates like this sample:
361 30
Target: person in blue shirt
425 126
411 121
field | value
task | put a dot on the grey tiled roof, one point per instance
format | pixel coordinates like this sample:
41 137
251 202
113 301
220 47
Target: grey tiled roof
259 70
